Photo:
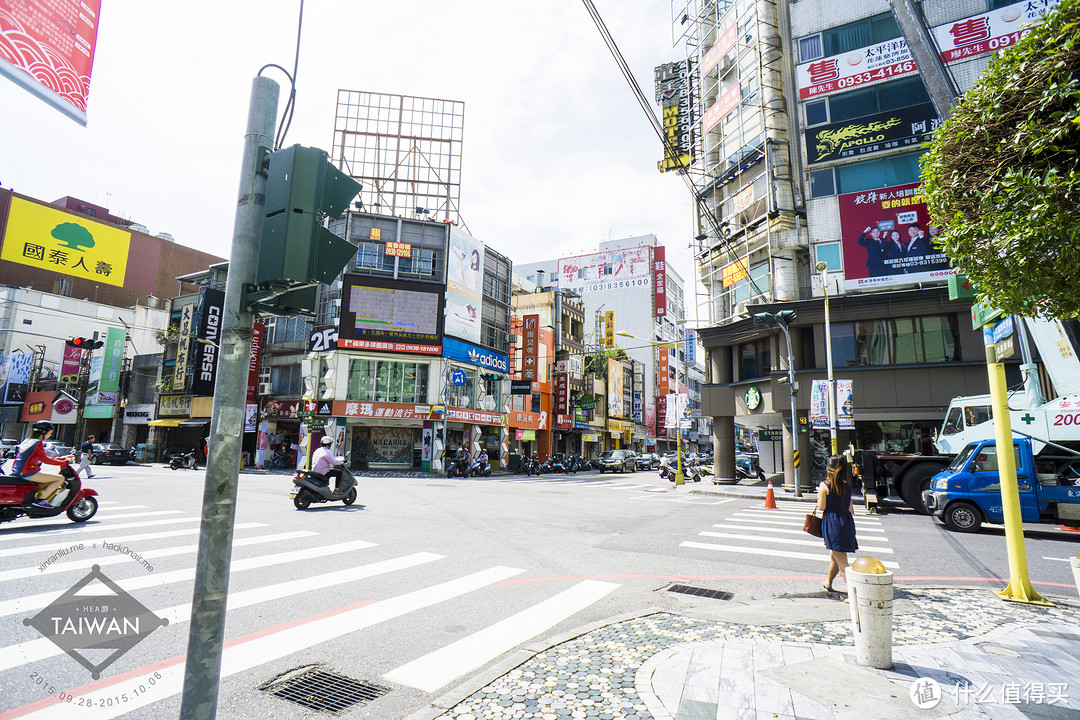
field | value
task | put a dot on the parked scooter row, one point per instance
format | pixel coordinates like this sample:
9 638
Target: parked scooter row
463 465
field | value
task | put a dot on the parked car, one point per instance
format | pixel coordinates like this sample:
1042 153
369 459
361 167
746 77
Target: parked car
55 448
8 448
648 461
618 461
110 453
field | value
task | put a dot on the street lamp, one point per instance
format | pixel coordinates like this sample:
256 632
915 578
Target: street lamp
822 267
679 478
782 320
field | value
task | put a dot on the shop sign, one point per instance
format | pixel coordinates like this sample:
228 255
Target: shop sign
258 331
204 356
173 405
473 355
520 387
520 418
770 434
522 434
563 417
480 417
393 411
906 127
282 409
659 282
609 328
139 414
530 354
590 437
735 272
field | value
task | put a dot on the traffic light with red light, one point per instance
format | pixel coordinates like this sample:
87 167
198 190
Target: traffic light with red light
84 343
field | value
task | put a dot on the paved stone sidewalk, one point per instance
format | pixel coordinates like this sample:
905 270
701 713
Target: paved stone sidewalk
669 666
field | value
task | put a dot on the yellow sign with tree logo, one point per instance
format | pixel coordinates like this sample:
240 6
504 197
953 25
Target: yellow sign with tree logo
47 238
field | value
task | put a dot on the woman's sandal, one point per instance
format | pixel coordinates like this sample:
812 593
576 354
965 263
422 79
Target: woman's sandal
827 588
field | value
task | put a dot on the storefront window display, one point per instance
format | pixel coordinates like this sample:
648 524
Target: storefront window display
387 381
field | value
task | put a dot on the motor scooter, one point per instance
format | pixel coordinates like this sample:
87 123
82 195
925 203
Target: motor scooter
17 497
480 468
458 467
185 461
312 487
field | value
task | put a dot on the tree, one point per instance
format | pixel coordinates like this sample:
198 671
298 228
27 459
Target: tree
1002 174
73 236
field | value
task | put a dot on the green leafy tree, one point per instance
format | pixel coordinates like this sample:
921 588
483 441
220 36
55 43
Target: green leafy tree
73 236
1002 175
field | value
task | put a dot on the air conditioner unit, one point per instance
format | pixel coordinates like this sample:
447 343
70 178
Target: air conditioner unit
264 389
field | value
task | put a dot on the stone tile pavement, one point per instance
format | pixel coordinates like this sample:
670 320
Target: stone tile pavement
989 659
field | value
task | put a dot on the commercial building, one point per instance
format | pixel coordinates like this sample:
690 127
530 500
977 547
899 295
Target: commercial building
628 287
806 153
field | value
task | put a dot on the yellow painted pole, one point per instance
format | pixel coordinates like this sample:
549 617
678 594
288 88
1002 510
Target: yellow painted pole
1019 588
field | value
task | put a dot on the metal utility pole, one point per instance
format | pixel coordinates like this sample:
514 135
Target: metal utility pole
939 83
202 672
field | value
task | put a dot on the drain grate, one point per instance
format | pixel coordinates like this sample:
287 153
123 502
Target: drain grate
324 691
701 592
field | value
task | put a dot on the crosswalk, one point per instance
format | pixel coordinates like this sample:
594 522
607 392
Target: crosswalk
278 575
778 533
650 488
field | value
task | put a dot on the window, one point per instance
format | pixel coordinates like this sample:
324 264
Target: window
387 381
896 341
893 95
822 183
285 380
829 253
369 255
817 112
809 48
754 359
859 34
884 172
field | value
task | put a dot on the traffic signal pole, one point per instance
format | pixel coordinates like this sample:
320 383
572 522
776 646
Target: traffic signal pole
202 671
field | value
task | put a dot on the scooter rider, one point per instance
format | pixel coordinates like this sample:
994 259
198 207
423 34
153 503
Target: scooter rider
323 461
27 464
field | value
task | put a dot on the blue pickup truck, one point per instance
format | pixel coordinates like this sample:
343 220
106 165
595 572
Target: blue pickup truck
968 492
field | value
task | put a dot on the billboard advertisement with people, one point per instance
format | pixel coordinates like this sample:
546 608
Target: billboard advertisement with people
888 239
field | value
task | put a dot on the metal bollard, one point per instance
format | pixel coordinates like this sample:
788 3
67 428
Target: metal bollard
1075 562
870 594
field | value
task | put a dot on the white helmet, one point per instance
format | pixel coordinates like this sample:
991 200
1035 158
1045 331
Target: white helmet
326 440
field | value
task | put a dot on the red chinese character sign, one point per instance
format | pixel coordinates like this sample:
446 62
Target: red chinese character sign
660 282
47 47
887 239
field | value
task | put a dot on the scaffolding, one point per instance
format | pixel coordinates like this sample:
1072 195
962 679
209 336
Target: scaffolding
405 150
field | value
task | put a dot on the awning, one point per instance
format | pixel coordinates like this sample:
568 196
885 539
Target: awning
179 421
164 423
196 421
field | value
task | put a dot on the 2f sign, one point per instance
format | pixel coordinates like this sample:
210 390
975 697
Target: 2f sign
323 340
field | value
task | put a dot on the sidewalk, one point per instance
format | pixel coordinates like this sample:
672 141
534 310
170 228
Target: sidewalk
794 658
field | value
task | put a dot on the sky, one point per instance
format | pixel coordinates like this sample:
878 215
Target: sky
557 154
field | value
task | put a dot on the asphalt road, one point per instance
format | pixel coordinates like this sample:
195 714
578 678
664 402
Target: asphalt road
425 582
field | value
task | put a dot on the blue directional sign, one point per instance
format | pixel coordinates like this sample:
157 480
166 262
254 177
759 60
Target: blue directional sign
458 377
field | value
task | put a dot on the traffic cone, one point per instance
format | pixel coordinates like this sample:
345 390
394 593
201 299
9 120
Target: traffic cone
1071 528
770 499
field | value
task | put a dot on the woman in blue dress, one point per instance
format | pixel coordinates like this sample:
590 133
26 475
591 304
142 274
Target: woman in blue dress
837 522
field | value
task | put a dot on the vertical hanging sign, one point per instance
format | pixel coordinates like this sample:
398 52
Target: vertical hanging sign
819 404
660 282
845 406
530 354
609 328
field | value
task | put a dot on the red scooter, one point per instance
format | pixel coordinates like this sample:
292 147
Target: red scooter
17 497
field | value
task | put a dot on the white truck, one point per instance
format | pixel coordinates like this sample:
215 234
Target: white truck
968 420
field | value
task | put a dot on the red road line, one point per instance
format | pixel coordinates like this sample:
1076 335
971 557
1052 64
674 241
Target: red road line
689 578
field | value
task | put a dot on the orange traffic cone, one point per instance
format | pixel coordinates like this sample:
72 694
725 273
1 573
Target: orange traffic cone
770 499
1071 528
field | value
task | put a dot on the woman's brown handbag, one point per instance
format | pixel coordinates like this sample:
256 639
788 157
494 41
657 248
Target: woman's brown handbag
812 524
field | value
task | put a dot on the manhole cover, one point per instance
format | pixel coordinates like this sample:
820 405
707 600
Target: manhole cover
324 691
701 592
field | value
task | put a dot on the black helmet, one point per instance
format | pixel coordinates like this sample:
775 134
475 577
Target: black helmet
43 426
326 440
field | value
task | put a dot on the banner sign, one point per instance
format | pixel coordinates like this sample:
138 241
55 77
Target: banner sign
69 367
258 331
614 269
204 357
45 237
183 346
112 361
910 126
530 353
390 315
609 328
47 47
663 372
464 285
672 82
819 404
960 40
661 413
615 381
845 405
659 281
887 239
479 417
724 42
466 353
723 105
563 416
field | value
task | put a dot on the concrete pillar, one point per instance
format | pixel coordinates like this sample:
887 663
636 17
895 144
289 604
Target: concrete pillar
789 446
870 595
724 450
